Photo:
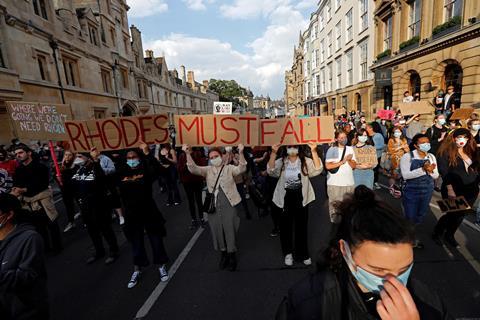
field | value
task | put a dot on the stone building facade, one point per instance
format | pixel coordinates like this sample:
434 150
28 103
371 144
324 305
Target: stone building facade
294 82
83 53
425 45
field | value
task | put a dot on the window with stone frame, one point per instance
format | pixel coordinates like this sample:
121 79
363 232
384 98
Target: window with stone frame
387 33
328 7
345 102
452 8
349 26
124 77
42 67
363 59
141 94
330 77
317 58
93 32
322 51
317 82
113 36
363 14
3 64
349 58
338 66
329 49
70 68
40 8
322 87
99 113
338 34
415 16
106 80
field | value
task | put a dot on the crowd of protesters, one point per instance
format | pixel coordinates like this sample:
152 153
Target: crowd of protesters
418 155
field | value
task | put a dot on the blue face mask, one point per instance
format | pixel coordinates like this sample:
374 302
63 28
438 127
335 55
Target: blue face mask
425 147
133 163
371 282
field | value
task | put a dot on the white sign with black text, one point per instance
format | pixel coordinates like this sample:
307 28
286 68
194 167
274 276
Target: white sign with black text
222 108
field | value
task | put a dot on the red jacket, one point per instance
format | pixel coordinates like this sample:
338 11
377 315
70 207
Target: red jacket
10 166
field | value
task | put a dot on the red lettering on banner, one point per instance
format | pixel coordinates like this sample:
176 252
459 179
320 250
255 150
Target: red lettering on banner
286 132
158 126
99 134
237 133
85 135
143 129
202 131
119 134
74 138
302 134
128 143
262 127
180 131
248 119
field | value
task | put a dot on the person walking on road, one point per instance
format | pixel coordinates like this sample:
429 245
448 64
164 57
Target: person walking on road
67 170
23 275
141 212
365 271
458 163
168 159
293 193
419 171
224 222
91 191
362 146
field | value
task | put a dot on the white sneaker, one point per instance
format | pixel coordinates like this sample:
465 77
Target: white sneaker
77 215
163 273
376 186
121 220
69 227
289 260
134 279
247 196
307 262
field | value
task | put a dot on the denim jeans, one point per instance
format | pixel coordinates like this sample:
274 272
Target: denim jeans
416 202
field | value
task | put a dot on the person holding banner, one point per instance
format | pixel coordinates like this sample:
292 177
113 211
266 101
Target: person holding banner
293 193
366 157
67 170
141 213
168 160
458 163
224 222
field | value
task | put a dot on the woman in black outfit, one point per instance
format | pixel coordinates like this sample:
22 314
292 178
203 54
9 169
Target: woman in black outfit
141 212
67 170
364 273
437 132
458 164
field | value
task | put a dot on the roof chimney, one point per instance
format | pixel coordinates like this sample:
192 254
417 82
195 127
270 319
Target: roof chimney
184 76
205 84
191 78
149 53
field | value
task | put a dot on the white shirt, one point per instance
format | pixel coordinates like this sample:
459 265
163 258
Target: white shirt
344 175
293 174
408 99
408 174
447 97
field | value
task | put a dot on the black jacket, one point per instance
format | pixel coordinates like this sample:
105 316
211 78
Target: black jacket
327 295
34 177
23 288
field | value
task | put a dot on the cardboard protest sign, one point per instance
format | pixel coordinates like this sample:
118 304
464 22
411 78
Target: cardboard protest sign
417 107
221 130
462 114
222 108
453 205
365 155
292 131
340 111
39 121
386 114
117 133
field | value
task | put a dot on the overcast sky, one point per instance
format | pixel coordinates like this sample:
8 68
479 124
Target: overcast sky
250 41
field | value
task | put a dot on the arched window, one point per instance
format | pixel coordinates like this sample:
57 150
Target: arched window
415 83
453 76
128 110
358 99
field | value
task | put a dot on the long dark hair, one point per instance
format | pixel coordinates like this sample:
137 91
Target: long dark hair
301 156
364 217
359 133
448 149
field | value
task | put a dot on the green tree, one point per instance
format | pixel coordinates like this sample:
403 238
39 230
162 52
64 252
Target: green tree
228 91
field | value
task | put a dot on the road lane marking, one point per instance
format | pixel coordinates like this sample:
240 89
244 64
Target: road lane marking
162 285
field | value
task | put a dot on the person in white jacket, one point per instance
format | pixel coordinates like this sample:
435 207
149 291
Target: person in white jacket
419 170
293 193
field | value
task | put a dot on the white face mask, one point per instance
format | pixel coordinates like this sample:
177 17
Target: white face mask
397 134
441 121
362 139
228 149
292 151
216 162
461 142
79 161
476 127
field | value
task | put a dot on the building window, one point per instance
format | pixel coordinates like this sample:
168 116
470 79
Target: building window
113 37
349 57
99 113
317 58
359 101
327 10
363 60
126 44
349 23
71 71
314 59
322 87
415 17
334 103
322 21
175 99
141 94
338 34
453 76
124 75
106 80
93 35
330 75
363 14
387 33
329 39
452 8
109 6
40 8
308 68
2 60
42 66
345 102
339 72
316 31
317 82
338 4
322 51
137 60
158 97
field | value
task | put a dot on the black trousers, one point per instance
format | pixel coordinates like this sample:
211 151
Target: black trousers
194 197
275 211
68 200
376 171
293 226
99 224
48 229
172 185
135 233
241 191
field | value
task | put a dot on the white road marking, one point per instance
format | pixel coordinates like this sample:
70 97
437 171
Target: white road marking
162 285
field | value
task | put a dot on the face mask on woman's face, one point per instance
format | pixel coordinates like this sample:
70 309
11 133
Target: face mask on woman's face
476 127
79 162
228 149
342 142
292 151
461 142
133 163
384 122
216 162
425 147
397 134
441 121
362 139
370 281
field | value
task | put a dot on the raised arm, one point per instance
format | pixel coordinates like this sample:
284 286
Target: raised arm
242 163
191 165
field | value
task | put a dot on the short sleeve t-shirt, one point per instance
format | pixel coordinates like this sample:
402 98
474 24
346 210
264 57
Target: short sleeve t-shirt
344 175
293 174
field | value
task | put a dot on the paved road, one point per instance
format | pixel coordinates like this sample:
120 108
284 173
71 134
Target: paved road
198 290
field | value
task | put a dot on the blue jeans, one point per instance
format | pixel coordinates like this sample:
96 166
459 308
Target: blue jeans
363 177
416 202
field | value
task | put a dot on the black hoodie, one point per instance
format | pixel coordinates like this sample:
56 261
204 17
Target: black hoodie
23 277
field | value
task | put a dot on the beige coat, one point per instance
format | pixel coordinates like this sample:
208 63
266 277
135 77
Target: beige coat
307 189
42 200
226 181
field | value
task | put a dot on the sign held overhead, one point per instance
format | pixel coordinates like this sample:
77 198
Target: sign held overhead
222 108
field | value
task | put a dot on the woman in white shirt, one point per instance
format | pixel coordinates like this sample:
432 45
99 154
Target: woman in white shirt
340 162
419 170
293 193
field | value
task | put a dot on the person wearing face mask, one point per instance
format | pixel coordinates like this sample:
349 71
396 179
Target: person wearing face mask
437 132
374 130
7 170
168 160
407 97
438 102
474 127
233 158
340 162
23 275
90 187
396 148
224 222
458 163
366 158
419 171
31 184
141 212
364 273
67 170
293 193
451 101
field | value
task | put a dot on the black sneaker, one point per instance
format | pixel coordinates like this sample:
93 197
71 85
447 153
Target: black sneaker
111 259
274 233
94 258
450 240
194 225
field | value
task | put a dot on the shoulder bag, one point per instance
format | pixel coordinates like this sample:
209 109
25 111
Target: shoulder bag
209 203
335 170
